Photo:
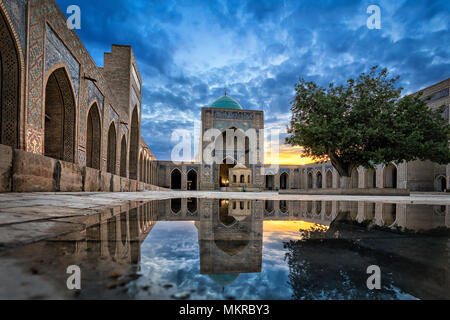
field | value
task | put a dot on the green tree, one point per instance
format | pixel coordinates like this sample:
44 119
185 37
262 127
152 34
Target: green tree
366 122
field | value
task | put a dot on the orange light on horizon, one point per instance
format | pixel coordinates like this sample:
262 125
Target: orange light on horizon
288 155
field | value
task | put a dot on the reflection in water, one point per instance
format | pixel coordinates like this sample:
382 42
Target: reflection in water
274 249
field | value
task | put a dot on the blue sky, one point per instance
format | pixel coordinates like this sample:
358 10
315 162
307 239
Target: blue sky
189 51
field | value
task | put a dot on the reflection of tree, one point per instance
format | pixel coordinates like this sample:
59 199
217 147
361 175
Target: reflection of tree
324 268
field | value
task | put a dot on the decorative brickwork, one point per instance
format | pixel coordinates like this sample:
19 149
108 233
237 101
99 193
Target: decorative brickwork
9 86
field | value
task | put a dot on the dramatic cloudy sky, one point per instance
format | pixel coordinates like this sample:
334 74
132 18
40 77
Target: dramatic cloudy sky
189 51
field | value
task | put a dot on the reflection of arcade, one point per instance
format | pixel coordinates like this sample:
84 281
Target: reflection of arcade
118 236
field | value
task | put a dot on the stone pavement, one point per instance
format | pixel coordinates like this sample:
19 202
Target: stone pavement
30 217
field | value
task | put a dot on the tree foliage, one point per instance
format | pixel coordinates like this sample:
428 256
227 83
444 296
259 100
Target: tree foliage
366 122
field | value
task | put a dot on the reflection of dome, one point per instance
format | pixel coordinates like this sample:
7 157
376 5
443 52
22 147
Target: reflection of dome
226 102
223 279
231 247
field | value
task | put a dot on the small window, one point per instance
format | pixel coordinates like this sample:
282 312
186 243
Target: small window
234 179
242 205
242 179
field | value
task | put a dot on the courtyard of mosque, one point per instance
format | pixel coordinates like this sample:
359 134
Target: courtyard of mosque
79 186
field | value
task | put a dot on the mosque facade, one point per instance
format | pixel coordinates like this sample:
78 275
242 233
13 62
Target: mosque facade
226 114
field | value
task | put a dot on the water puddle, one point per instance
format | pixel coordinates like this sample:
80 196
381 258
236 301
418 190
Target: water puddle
242 249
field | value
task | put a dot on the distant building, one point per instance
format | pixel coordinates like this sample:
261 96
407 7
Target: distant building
227 114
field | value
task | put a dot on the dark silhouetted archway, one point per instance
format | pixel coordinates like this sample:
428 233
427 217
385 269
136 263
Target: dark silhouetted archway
175 180
192 180
59 117
93 138
111 152
134 145
284 181
123 157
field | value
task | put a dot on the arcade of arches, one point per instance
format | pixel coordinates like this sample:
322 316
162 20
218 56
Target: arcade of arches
58 104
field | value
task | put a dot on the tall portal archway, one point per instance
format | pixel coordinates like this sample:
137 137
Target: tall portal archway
93 138
192 180
9 86
111 151
175 180
123 156
371 178
310 180
354 178
134 145
59 117
390 176
284 181
319 180
329 179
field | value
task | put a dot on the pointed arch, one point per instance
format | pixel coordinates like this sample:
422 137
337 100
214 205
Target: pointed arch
140 166
355 178
93 138
175 179
123 156
371 178
329 178
390 176
60 116
111 151
134 145
319 180
310 180
192 180
284 181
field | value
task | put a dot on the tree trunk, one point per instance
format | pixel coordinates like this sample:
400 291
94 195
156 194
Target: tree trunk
345 182
344 170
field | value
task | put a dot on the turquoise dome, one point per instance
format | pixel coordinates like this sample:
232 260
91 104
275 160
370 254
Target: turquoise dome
226 102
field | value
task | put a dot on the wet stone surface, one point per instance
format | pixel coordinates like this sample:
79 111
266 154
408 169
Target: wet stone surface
222 248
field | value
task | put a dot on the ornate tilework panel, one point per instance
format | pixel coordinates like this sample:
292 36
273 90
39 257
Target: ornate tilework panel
113 115
56 52
225 124
17 10
35 64
81 157
94 93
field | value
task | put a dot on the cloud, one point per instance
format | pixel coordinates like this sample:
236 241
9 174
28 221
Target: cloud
189 52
